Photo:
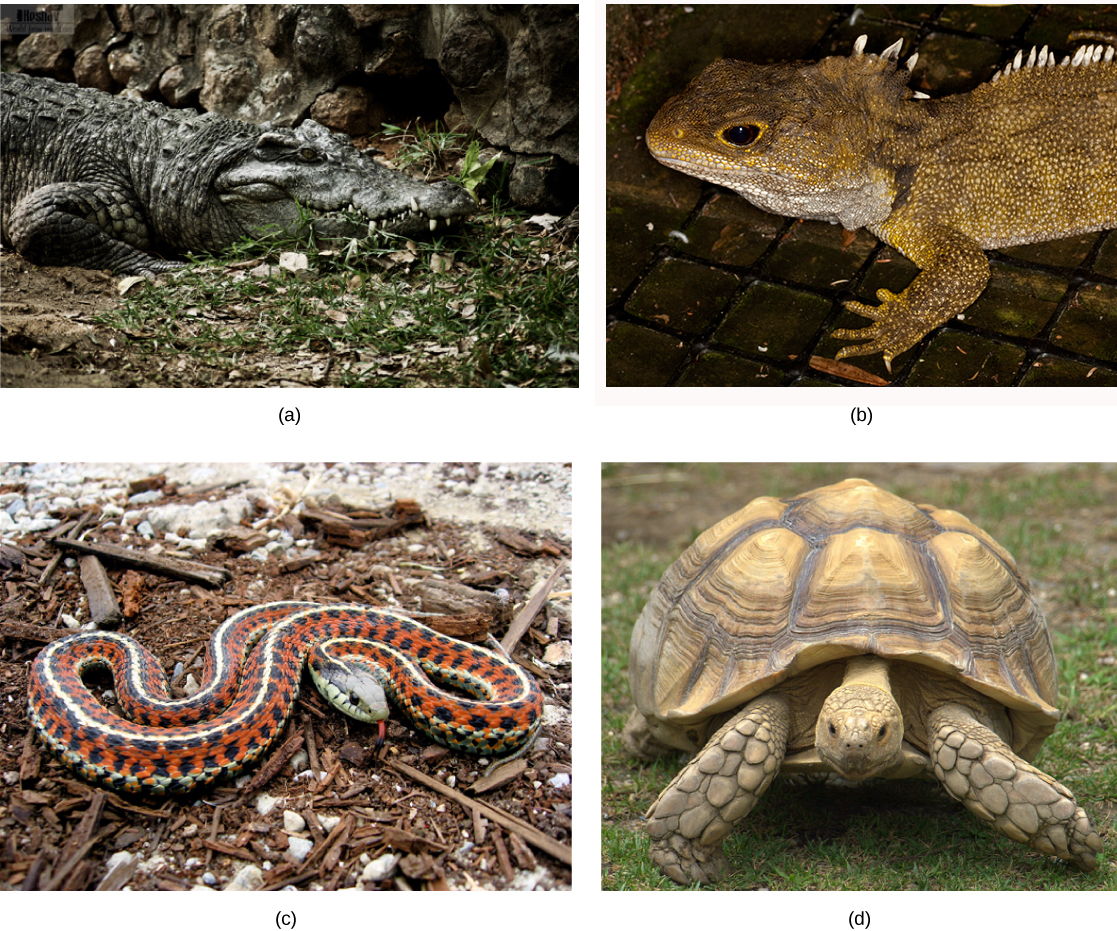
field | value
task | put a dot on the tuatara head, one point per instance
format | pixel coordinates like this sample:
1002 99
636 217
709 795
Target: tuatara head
792 138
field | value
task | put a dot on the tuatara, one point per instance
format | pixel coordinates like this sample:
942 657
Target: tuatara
1027 157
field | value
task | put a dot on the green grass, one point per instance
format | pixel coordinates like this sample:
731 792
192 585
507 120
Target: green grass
428 148
888 835
436 149
492 304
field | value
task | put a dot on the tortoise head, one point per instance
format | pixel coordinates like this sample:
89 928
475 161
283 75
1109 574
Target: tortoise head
860 731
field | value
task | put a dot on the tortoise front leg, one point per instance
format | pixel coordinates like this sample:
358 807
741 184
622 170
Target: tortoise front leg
1023 803
692 816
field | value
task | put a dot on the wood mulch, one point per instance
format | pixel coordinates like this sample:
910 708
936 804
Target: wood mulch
431 811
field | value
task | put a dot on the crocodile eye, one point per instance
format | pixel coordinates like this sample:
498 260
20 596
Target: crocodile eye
741 135
308 154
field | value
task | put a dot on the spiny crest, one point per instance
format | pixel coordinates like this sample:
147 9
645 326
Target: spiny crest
1086 55
890 55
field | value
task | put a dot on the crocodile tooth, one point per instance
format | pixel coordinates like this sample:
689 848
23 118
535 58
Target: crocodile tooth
414 203
433 225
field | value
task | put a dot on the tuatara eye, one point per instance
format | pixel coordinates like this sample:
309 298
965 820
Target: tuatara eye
741 135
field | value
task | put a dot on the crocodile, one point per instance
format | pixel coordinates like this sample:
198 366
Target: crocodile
1027 157
98 181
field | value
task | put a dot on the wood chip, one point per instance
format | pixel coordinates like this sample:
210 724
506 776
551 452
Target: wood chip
500 777
443 596
133 587
275 763
240 539
103 609
523 620
528 832
159 565
355 529
151 483
405 841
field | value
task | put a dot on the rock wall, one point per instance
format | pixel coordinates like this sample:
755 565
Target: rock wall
509 72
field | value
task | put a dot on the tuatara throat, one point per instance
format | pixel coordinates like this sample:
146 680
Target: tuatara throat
1029 156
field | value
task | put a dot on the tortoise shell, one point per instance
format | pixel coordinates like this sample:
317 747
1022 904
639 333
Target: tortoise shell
786 585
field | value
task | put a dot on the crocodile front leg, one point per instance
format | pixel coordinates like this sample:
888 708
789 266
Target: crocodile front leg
84 224
955 271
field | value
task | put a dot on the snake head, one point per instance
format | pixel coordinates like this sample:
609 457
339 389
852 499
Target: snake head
365 693
352 689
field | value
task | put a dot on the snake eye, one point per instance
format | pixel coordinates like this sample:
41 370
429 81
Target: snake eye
741 136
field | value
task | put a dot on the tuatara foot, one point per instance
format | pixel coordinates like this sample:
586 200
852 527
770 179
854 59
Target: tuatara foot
898 327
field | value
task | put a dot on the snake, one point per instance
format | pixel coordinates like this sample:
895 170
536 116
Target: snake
357 656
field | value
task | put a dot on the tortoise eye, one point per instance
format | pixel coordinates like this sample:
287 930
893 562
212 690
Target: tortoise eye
883 731
833 731
741 136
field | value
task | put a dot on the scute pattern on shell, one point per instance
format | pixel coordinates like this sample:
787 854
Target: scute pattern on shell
781 587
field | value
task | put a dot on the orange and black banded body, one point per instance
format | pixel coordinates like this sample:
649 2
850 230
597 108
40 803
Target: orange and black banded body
251 680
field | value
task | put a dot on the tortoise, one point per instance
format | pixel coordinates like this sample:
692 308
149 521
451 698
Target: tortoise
852 632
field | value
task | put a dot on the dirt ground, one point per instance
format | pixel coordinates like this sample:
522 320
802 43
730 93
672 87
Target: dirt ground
50 341
45 342
413 799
